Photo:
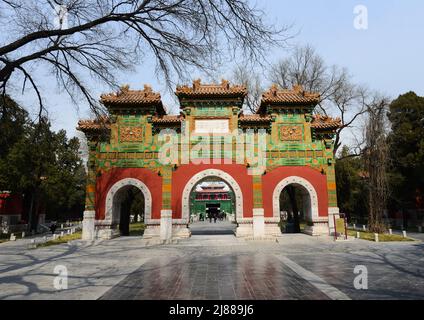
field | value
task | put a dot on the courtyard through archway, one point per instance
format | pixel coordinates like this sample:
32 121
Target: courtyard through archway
295 203
212 208
212 194
128 207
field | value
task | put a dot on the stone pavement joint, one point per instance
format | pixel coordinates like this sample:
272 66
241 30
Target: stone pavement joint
313 279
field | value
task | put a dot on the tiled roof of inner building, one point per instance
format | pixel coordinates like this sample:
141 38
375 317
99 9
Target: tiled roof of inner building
325 122
224 89
93 125
127 96
254 118
294 96
168 119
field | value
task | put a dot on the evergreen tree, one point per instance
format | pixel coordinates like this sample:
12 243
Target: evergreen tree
351 187
13 122
44 166
407 151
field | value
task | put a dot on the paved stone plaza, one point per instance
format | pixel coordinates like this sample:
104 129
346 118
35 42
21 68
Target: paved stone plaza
214 265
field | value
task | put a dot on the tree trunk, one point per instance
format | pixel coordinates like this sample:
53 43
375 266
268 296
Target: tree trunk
31 206
376 160
405 219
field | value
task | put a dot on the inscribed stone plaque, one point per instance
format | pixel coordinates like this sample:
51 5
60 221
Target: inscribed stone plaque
212 126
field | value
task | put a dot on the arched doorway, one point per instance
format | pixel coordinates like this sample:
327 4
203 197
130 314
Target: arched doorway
295 204
232 204
212 208
128 207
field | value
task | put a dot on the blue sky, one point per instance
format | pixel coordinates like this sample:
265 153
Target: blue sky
387 57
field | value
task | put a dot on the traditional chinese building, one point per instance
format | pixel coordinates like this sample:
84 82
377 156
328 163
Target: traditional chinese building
259 155
212 196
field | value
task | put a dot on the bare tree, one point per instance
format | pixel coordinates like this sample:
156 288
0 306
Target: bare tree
253 83
76 38
305 67
376 160
339 96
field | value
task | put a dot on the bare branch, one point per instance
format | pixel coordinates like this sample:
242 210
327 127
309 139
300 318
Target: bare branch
376 161
102 37
339 96
252 81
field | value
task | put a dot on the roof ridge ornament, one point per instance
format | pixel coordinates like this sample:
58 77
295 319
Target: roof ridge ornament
147 90
196 84
123 89
274 89
225 84
298 88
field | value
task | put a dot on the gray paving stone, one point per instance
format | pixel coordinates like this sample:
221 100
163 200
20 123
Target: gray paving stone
211 266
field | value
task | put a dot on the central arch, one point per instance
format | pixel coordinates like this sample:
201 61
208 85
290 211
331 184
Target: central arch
311 206
112 205
211 173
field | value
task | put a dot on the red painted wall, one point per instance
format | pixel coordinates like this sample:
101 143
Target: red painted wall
148 177
318 180
11 204
183 174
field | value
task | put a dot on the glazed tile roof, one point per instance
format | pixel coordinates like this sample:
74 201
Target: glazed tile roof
125 95
325 122
222 90
249 118
100 124
295 96
136 98
167 119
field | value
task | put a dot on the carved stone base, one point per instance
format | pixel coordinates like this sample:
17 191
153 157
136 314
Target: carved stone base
106 233
272 230
180 232
244 230
318 229
152 231
166 225
258 223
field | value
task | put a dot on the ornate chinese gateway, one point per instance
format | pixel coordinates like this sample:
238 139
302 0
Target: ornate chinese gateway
167 156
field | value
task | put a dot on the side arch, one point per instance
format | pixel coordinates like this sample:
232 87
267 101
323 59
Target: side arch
296 181
211 173
111 216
